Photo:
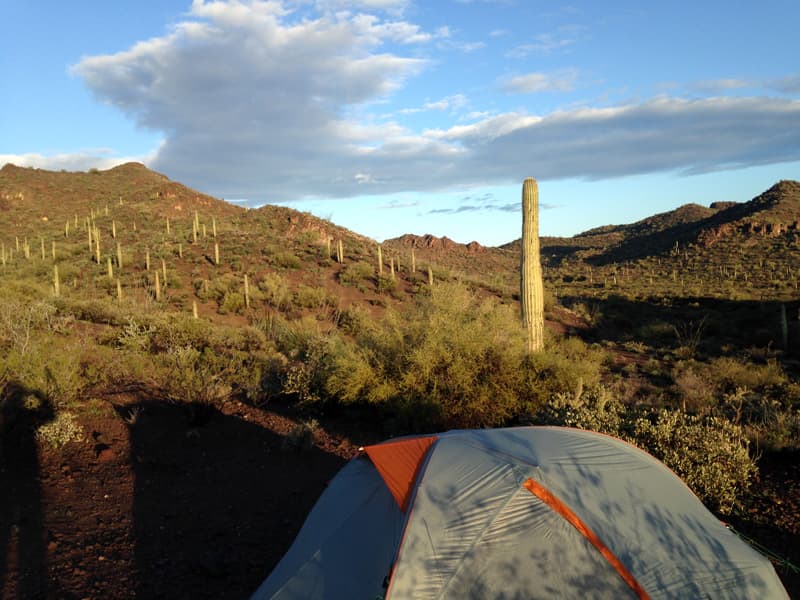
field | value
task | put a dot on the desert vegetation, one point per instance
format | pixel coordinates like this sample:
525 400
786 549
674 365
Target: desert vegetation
688 351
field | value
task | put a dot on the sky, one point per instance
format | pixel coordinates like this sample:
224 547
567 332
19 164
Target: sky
411 116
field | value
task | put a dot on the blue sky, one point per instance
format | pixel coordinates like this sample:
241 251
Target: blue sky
401 116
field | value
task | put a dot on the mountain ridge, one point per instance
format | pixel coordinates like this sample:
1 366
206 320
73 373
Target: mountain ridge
775 212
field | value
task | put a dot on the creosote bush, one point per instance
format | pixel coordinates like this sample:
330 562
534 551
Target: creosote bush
456 360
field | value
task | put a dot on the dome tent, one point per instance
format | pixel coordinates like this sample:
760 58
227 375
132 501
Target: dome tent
529 512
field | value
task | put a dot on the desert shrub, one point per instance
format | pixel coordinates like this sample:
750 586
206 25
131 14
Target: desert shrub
688 336
590 312
354 273
20 320
696 392
231 302
190 375
456 360
286 260
386 285
710 454
301 437
655 333
305 378
354 320
134 335
311 297
590 408
60 431
566 367
159 333
94 311
276 291
47 365
730 373
759 397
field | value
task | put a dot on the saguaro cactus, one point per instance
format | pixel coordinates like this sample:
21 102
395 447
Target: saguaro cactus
532 289
56 282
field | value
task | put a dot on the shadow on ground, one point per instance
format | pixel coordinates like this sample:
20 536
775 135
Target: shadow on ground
23 563
217 499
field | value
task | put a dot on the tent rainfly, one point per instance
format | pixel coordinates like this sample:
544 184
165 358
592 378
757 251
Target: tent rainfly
527 512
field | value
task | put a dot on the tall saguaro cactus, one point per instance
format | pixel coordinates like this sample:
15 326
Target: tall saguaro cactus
532 289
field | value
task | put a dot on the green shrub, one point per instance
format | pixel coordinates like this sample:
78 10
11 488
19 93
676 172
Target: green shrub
49 366
301 437
354 273
566 367
286 260
193 376
276 291
710 454
60 431
232 302
311 297
456 360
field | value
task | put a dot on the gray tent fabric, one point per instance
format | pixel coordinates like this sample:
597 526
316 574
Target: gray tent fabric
346 546
474 529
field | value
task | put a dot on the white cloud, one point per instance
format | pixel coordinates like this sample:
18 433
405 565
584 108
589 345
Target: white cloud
82 160
363 178
448 103
470 46
721 85
545 43
563 81
389 6
256 102
789 84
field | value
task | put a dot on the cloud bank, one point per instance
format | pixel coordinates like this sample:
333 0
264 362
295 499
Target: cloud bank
255 100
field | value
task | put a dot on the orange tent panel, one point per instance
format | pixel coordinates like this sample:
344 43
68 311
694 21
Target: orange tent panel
399 463
546 496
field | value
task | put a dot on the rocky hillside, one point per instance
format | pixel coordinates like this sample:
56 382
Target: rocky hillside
772 216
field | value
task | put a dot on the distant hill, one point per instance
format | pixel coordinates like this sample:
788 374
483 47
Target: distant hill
62 193
707 237
776 212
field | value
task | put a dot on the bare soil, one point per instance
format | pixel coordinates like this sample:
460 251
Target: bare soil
161 502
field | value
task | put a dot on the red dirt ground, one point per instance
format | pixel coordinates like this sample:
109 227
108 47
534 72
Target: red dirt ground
151 507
